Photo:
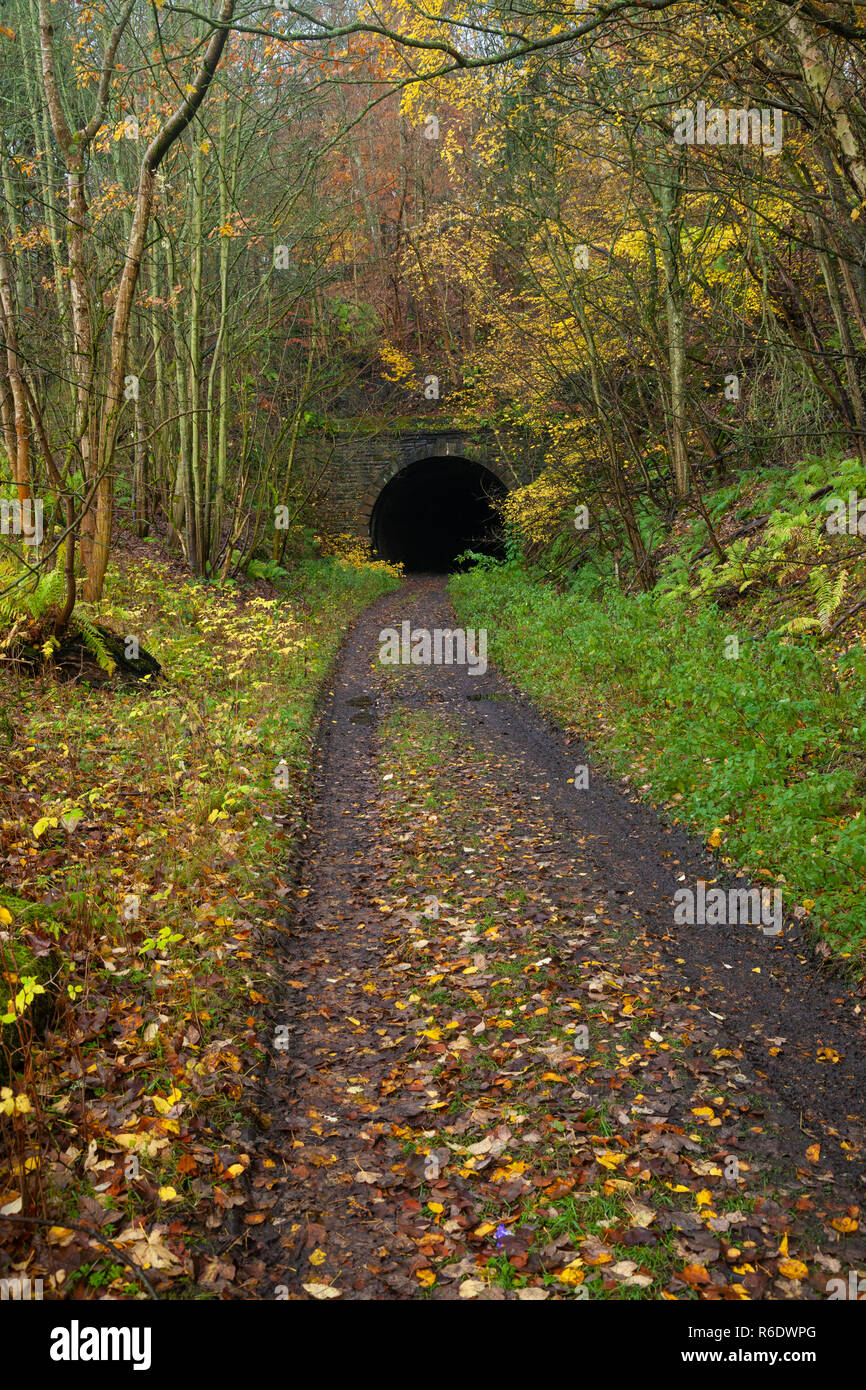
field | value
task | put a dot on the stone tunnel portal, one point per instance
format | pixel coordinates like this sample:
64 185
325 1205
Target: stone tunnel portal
435 508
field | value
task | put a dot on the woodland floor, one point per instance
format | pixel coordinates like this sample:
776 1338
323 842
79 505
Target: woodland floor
460 908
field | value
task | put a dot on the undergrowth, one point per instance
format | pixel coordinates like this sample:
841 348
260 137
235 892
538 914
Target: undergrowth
743 712
142 832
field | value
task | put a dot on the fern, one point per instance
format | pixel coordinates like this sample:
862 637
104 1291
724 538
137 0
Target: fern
783 528
802 623
675 579
95 644
29 597
828 595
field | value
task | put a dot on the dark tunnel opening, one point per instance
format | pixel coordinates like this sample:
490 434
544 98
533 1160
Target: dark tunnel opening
433 510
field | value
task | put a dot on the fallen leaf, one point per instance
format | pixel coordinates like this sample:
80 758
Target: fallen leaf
471 1288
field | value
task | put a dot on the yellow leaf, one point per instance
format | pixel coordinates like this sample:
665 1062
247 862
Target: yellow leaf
509 1170
572 1274
426 1277
42 825
234 1170
60 1235
609 1160
844 1224
165 1103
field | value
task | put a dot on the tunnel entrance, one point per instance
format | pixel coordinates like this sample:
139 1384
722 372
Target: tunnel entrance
434 509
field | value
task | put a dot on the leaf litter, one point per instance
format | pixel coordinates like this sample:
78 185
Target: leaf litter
499 1083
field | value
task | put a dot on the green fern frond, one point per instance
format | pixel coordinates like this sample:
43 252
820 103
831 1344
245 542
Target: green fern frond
803 623
785 527
48 593
28 595
95 644
828 595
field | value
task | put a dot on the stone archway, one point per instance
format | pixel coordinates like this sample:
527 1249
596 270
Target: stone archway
431 506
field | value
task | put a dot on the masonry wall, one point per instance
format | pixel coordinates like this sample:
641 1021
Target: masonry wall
351 471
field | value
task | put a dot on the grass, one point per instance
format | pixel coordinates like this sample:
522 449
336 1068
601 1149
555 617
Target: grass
762 751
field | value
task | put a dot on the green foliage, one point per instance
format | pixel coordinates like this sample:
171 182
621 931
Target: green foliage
769 744
826 470
828 596
28 594
34 596
267 569
785 528
359 322
95 643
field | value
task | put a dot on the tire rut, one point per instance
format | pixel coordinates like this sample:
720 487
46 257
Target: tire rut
751 992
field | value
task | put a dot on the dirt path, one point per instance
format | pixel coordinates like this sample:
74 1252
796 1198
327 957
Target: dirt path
508 1073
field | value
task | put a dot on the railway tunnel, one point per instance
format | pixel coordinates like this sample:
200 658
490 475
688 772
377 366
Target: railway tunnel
432 510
